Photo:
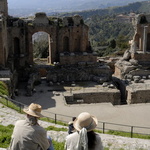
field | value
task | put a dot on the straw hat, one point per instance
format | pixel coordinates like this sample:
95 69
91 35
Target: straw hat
85 120
34 110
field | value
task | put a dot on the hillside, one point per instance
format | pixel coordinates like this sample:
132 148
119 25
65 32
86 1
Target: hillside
67 4
103 27
137 7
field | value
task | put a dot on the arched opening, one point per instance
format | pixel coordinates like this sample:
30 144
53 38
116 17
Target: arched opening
41 47
143 20
16 53
66 44
148 42
41 51
137 40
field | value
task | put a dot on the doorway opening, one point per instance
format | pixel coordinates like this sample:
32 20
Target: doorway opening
41 48
41 51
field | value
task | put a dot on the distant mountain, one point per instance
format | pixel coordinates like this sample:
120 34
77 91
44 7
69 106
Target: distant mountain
49 6
136 7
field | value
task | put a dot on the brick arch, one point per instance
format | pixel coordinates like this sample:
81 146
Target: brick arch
52 43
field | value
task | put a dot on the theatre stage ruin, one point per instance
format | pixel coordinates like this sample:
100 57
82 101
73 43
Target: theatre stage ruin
71 59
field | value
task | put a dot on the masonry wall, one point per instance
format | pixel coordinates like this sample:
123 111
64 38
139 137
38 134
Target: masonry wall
76 58
141 57
1 48
95 97
77 38
3 43
138 96
3 7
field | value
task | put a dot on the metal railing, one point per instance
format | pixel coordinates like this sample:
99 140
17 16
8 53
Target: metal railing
103 126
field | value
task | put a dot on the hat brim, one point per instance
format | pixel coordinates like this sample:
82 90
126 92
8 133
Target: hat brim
70 122
90 128
35 114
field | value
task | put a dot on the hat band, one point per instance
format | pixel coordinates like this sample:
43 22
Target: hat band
88 127
35 112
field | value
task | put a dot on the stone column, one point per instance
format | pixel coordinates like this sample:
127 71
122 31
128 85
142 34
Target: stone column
145 39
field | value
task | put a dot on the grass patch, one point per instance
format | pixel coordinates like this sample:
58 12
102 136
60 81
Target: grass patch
5 135
10 104
125 134
98 131
6 132
53 121
3 89
58 145
56 129
5 92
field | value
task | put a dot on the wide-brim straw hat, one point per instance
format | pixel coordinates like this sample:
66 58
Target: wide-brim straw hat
85 120
34 110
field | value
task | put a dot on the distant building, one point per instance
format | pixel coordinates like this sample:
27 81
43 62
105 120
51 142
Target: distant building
125 18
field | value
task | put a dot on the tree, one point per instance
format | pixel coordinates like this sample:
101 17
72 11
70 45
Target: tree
40 49
112 43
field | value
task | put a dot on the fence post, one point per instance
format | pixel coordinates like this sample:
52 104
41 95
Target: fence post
103 127
131 131
55 118
6 101
20 108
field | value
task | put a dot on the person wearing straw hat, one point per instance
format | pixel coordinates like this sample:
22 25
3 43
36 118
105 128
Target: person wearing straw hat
84 138
28 134
70 126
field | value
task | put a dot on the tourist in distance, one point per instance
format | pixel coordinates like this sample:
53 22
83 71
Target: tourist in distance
71 128
28 134
84 138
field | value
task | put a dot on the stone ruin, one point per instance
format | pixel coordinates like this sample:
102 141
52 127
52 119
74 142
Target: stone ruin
133 67
72 58
70 52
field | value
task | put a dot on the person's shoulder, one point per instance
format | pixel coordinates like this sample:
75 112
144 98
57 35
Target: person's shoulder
72 135
18 122
39 128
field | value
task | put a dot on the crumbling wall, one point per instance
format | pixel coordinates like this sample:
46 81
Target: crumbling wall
138 96
95 97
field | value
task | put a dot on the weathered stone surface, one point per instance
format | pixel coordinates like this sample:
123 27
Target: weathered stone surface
127 55
83 72
127 69
137 77
140 72
95 97
41 19
133 62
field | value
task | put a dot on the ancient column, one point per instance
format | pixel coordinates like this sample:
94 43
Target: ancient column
145 39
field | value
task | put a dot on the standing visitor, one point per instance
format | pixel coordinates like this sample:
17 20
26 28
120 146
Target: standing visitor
84 138
71 128
28 134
